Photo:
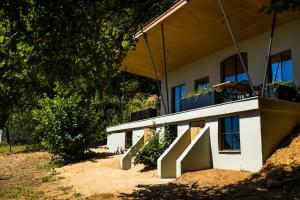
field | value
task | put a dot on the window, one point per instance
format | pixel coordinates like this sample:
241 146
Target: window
128 143
282 67
201 83
173 132
177 93
232 69
230 133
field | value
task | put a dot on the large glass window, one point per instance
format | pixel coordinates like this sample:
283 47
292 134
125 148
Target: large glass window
232 69
230 133
202 83
177 93
282 67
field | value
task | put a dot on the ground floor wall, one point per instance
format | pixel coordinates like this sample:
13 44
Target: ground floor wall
278 119
136 135
261 128
116 142
249 157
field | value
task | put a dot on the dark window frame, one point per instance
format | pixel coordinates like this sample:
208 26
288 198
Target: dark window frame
173 135
270 76
222 148
173 98
236 56
200 81
128 140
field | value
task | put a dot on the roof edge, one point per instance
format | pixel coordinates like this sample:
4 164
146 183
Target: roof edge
147 26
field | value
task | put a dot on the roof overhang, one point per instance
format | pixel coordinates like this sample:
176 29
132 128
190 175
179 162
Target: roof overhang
195 29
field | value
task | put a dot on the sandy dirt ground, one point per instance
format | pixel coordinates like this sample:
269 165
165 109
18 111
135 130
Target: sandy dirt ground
212 178
104 176
24 176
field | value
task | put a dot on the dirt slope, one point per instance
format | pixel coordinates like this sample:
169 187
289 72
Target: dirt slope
278 179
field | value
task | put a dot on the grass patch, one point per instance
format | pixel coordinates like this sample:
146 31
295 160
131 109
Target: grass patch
66 190
17 148
51 178
20 192
50 166
77 194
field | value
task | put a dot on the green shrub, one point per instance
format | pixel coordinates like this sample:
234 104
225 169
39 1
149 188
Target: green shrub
66 125
153 149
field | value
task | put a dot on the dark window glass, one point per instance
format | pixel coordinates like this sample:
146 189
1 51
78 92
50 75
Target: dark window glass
282 67
202 83
178 93
128 139
173 131
232 69
230 133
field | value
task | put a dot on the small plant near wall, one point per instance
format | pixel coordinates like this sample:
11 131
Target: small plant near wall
201 91
154 148
143 106
283 90
204 96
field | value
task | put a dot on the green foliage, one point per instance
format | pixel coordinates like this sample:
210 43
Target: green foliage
16 148
279 6
143 101
201 91
153 149
285 83
20 192
67 125
79 45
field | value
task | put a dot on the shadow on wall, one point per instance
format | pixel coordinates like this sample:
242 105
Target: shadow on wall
272 183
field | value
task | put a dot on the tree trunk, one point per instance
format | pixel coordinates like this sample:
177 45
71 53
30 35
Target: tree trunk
8 139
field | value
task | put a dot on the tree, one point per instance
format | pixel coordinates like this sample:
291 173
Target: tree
279 6
78 44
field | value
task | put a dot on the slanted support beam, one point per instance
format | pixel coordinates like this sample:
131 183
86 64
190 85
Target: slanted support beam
165 66
268 55
236 45
155 71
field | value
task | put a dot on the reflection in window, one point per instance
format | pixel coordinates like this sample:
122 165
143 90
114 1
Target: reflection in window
230 133
202 83
282 67
232 69
177 93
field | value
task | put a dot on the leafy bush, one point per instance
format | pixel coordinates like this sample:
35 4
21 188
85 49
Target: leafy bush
66 125
153 149
143 101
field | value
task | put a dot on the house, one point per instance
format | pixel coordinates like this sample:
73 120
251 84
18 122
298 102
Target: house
224 44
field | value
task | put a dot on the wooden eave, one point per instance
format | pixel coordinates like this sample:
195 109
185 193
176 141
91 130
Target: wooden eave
196 29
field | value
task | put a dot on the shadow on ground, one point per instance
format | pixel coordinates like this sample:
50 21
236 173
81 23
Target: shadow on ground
274 181
90 156
277 183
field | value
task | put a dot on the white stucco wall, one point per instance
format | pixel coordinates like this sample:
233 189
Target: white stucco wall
182 127
136 135
279 119
250 156
116 142
286 37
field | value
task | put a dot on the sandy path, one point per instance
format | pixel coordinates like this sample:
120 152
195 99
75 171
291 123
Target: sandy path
104 176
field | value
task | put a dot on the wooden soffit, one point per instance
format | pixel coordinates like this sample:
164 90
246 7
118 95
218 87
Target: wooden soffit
196 29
